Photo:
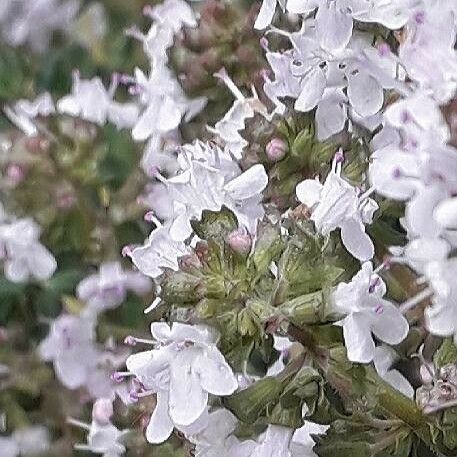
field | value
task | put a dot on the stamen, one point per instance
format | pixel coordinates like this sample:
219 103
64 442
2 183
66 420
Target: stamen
78 423
132 341
223 75
153 305
367 193
412 302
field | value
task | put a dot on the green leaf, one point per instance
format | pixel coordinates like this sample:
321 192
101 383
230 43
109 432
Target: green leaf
446 354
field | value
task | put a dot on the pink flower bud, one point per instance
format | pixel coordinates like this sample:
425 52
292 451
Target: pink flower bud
240 241
15 173
276 149
102 411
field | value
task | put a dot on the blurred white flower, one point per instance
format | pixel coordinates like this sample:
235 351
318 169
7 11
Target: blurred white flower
70 345
108 288
23 112
89 100
103 437
31 23
23 255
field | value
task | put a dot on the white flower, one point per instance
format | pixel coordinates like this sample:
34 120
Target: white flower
234 120
108 288
324 61
32 23
441 316
8 447
367 313
103 437
29 441
302 443
183 370
23 113
159 252
23 255
164 101
169 18
383 360
70 346
217 439
266 13
275 442
337 204
209 178
90 101
430 40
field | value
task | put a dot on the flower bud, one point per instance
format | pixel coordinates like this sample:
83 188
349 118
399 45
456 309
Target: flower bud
240 241
15 173
102 411
276 149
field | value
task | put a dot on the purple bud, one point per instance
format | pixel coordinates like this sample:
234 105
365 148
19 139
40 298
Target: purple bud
15 173
276 149
130 341
240 241
339 156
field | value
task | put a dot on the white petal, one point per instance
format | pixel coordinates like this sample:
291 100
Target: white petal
356 241
16 270
42 263
419 211
8 447
266 14
331 117
388 324
365 94
216 375
357 338
312 88
399 382
160 425
146 125
334 27
187 398
309 192
440 319
250 183
446 213
169 115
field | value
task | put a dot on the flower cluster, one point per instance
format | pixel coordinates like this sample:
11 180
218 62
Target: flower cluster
302 254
